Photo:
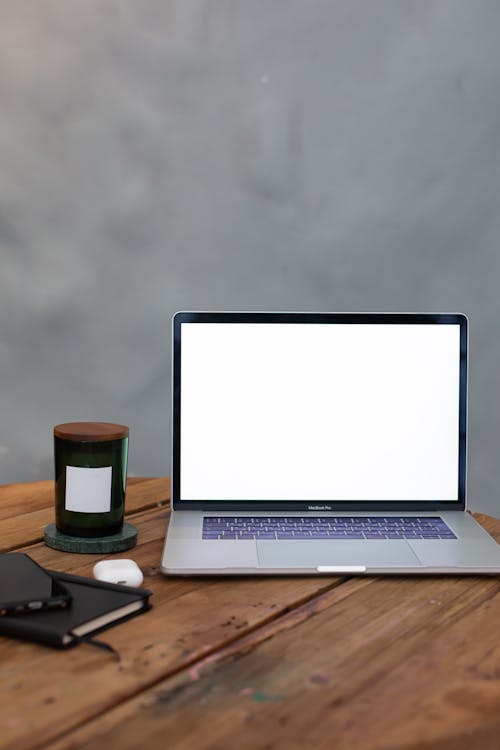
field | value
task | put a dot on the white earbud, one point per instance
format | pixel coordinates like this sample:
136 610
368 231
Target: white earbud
124 572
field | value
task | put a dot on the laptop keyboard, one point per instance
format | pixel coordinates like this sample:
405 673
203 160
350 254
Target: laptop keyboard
325 527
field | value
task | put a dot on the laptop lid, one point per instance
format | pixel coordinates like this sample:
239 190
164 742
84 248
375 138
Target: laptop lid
319 411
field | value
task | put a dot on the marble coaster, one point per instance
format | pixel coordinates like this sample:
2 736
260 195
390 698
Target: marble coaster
124 539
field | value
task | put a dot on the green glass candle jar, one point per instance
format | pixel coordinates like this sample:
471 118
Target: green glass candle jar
90 477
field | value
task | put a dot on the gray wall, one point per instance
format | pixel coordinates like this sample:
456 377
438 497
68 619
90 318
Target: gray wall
235 154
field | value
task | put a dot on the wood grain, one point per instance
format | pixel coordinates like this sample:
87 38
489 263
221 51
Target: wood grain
190 620
25 509
256 663
392 665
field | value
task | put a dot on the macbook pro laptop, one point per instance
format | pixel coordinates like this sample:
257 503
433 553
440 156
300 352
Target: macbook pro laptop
321 443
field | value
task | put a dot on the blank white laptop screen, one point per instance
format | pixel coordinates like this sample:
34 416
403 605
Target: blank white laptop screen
273 411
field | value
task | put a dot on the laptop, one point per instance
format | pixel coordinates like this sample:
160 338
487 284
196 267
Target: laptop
320 443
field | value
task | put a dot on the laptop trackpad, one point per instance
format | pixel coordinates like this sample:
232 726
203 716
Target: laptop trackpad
303 554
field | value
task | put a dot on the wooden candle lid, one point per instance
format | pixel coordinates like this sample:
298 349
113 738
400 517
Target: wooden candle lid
90 432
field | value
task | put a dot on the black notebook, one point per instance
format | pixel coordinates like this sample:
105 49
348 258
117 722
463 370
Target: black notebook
95 606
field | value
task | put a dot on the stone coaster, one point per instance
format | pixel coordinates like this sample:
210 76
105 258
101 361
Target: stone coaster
124 539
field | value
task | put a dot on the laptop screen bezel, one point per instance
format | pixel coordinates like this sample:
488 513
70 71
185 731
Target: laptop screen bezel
317 318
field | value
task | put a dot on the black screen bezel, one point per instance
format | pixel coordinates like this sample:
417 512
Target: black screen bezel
321 318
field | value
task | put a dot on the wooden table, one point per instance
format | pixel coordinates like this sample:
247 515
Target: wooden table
295 662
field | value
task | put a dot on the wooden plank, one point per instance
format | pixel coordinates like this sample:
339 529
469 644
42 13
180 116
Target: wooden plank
400 664
16 499
192 620
25 509
44 692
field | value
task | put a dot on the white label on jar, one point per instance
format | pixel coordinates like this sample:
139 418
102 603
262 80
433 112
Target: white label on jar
88 490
